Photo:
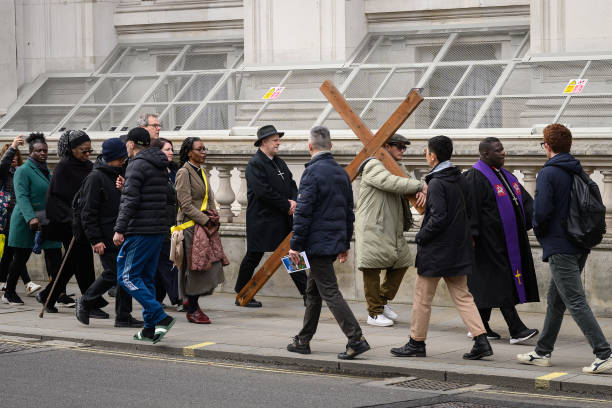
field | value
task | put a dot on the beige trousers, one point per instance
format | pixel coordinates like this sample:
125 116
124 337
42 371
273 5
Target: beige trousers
424 291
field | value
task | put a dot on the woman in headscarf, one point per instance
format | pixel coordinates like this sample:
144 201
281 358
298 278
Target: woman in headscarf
30 183
166 279
11 159
197 204
74 149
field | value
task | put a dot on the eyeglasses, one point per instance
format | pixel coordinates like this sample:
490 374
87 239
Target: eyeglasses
542 144
155 125
202 149
90 151
401 147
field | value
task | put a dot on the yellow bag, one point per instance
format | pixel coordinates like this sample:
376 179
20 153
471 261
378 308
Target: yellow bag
2 243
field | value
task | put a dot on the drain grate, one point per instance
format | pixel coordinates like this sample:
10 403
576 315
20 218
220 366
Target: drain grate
459 404
425 384
11 347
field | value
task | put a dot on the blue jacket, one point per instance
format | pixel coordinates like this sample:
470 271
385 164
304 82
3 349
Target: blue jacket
323 219
551 205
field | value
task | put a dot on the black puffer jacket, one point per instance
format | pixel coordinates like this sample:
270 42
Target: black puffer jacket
100 204
444 242
145 195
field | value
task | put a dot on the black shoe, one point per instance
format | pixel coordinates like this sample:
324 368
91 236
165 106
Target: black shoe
180 306
51 309
98 314
129 322
12 299
112 292
491 335
40 299
304 300
481 348
298 346
65 301
82 314
411 349
523 336
252 303
354 349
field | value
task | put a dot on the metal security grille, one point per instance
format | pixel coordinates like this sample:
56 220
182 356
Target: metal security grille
426 384
470 79
11 347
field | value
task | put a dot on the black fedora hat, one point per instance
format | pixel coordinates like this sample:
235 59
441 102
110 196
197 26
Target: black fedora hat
266 131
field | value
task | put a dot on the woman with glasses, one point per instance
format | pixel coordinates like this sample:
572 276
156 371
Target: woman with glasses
196 206
30 183
74 150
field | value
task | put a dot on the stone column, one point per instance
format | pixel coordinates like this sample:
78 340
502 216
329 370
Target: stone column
529 180
8 56
607 197
242 195
225 195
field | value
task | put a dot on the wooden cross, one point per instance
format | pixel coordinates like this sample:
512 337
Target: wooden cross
373 146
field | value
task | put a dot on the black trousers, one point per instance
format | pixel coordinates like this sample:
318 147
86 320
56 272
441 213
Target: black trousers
5 264
92 298
78 264
514 322
53 259
322 285
250 262
166 278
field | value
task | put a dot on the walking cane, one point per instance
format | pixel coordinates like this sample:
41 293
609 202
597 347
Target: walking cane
42 312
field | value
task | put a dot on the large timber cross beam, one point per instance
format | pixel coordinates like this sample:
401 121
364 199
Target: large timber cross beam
372 147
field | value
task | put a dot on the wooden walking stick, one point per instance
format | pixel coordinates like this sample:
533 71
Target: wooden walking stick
373 145
42 312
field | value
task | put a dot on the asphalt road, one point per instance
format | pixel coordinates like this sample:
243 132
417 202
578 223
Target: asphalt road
52 376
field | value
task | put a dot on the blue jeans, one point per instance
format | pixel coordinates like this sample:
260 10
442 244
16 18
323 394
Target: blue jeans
566 291
136 268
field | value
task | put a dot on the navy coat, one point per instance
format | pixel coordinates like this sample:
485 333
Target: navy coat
551 205
444 242
323 220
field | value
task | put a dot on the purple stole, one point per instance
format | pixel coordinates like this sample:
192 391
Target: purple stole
509 221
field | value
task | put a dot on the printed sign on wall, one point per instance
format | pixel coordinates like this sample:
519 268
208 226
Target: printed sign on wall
575 86
274 92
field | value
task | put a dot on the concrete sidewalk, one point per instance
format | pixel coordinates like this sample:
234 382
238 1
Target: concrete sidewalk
261 335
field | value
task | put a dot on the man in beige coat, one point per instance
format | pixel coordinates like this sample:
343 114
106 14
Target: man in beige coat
382 216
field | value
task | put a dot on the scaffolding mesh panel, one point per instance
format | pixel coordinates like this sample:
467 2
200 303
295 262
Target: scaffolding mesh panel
443 81
62 91
199 88
37 119
82 118
480 80
506 112
134 91
541 77
401 82
177 115
588 111
459 113
111 118
599 77
106 91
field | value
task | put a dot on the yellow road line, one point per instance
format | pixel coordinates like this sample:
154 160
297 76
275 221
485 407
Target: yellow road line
543 382
544 396
189 350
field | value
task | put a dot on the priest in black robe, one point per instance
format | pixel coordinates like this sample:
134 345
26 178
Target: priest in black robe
504 274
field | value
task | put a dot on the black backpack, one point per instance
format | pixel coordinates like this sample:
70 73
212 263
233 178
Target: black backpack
586 220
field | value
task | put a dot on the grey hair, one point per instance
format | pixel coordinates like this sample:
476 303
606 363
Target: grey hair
320 138
143 120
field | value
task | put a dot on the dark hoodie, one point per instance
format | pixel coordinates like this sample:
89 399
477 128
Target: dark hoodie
100 203
551 205
145 195
444 242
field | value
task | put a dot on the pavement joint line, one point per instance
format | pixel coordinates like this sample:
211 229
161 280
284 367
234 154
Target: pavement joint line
543 382
189 351
544 396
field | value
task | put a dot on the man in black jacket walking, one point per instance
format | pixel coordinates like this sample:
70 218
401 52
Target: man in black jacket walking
323 227
271 194
444 250
99 209
141 227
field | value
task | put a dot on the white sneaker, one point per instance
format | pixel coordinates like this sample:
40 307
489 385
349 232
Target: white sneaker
380 320
389 313
470 335
534 358
31 288
598 366
2 286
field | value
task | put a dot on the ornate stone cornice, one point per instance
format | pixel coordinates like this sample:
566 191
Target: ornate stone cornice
447 15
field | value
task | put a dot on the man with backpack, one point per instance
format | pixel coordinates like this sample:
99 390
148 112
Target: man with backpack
95 211
555 209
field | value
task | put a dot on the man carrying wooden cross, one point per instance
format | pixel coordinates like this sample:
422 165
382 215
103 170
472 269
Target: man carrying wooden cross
382 216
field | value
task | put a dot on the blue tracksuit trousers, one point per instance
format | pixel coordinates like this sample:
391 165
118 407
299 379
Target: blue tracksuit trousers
136 268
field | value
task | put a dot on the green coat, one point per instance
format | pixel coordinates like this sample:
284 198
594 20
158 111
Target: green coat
31 191
382 216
